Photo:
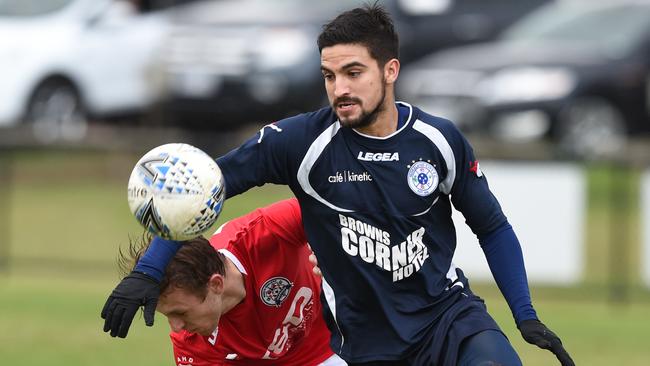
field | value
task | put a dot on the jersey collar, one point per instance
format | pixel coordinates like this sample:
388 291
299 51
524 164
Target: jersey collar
404 111
234 260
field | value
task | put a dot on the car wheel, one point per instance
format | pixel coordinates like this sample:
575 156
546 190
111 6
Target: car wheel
591 128
55 112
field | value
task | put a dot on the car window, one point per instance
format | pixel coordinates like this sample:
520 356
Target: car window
30 7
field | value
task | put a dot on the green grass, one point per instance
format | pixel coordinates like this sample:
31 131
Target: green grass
54 321
595 333
68 216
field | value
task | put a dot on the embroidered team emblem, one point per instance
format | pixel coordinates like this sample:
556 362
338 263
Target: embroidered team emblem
275 290
422 178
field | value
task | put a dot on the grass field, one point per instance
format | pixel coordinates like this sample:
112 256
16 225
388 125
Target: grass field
67 215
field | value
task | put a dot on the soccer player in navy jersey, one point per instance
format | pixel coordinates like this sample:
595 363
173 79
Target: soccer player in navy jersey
376 180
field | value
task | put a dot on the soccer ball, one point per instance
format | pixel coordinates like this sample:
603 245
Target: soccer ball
176 191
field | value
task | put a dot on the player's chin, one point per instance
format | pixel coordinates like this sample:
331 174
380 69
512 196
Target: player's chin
206 331
202 332
350 122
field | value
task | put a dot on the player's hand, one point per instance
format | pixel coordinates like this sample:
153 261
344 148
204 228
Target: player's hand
135 290
535 332
314 261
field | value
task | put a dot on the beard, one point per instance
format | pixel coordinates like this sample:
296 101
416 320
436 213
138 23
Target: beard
366 118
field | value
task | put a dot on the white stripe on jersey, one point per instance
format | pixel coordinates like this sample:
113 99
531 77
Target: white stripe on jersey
331 303
441 143
228 254
307 163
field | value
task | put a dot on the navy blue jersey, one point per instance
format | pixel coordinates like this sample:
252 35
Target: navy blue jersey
377 213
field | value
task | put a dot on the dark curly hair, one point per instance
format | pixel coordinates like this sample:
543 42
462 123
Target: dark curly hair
370 26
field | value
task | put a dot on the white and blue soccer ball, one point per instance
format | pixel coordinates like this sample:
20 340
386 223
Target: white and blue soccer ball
176 191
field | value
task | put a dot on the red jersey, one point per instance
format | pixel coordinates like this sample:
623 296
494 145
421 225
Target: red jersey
279 322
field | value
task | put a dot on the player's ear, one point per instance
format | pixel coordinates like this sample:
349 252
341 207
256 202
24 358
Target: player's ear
391 70
216 283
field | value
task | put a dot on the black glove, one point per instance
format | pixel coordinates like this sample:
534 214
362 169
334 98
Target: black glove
535 332
135 290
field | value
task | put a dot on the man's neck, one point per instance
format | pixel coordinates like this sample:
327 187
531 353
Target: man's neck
234 287
385 124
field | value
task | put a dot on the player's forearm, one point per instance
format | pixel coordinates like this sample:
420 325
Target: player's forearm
504 256
158 255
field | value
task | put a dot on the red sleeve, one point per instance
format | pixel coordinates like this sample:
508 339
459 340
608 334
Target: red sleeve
191 349
284 221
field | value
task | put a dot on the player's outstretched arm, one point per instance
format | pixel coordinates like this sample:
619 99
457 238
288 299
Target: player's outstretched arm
535 332
139 288
505 259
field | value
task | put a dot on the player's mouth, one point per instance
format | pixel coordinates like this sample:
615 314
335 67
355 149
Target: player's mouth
346 106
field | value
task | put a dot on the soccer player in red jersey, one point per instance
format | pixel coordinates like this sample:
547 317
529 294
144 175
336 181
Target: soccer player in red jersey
248 296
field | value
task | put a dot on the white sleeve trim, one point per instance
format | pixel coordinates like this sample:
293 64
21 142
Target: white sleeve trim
314 152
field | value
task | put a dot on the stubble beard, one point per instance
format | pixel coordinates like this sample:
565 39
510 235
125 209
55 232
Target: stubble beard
366 118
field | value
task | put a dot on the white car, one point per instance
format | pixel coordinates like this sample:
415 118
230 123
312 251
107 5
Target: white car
64 61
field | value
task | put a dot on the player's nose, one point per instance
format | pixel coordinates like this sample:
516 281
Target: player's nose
176 324
341 87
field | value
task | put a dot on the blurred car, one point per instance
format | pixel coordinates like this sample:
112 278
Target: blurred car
228 62
430 25
575 72
64 61
232 62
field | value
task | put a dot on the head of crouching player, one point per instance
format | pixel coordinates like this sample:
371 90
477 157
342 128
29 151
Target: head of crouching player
199 286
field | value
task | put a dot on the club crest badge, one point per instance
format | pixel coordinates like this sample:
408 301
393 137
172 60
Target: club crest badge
275 290
422 178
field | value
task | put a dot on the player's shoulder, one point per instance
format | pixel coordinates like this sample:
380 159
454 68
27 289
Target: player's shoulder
299 130
426 123
438 122
287 206
283 219
277 211
259 223
314 121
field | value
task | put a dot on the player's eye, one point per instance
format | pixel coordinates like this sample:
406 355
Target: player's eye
354 73
328 76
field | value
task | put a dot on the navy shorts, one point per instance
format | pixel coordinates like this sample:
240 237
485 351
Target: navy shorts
465 335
